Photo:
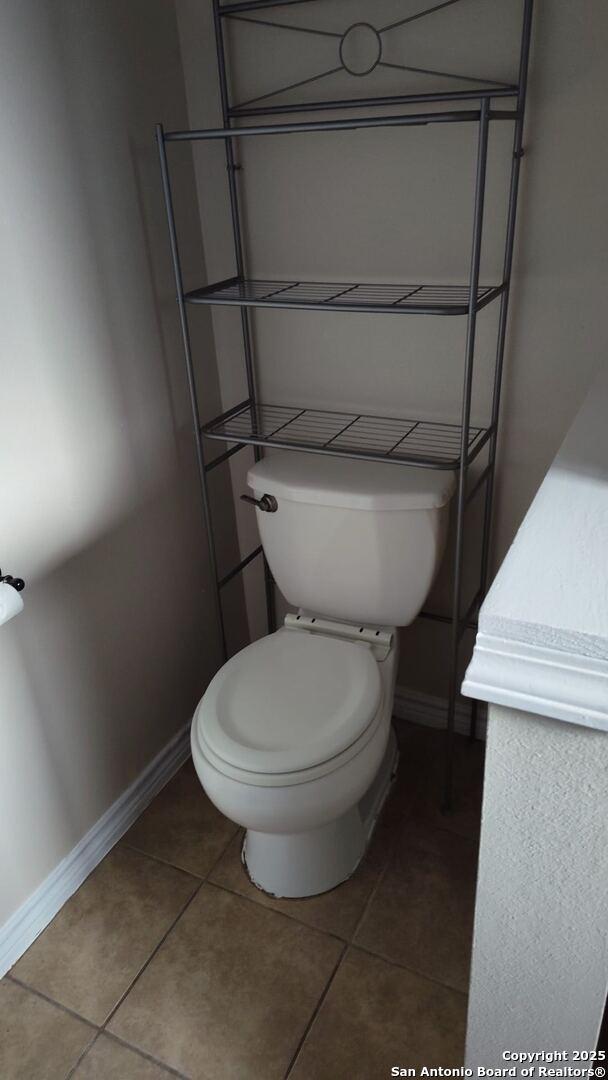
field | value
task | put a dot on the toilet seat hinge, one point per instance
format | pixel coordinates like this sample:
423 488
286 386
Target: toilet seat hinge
379 640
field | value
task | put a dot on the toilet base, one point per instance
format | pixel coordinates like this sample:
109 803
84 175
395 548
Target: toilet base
296 865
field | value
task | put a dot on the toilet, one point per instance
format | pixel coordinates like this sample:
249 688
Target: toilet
292 739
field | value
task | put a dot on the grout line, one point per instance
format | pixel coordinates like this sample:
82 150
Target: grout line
372 895
276 911
350 941
347 943
82 1055
115 1008
315 1012
51 1001
163 862
201 882
101 1029
117 1005
144 1054
342 957
406 967
410 844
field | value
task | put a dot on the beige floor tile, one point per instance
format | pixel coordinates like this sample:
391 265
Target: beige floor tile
108 1060
100 939
419 747
422 833
422 914
38 1041
182 826
421 773
465 816
337 911
230 992
377 1015
418 744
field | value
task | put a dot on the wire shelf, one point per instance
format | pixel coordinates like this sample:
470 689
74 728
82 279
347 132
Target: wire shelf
376 438
341 296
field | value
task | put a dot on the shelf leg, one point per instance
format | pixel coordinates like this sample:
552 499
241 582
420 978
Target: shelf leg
196 420
240 269
473 721
504 306
455 637
508 265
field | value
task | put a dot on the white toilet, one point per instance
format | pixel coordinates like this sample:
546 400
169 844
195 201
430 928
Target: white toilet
293 738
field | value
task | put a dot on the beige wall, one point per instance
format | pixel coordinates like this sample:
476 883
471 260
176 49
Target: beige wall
100 506
100 509
397 205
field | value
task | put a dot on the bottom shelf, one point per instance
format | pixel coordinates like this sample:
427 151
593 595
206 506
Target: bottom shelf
426 443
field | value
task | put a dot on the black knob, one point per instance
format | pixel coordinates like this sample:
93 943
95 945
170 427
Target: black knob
16 582
268 503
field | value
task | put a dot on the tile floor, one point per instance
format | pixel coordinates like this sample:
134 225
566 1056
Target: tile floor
168 962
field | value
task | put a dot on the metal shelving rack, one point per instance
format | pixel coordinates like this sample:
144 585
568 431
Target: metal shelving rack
389 439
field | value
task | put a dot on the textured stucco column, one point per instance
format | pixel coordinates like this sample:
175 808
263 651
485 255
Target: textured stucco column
540 964
540 953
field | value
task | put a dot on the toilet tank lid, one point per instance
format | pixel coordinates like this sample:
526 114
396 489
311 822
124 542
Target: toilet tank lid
349 482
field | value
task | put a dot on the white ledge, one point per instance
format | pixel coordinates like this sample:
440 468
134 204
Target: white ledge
565 686
542 644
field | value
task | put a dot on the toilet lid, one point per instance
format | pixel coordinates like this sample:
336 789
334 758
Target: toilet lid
290 701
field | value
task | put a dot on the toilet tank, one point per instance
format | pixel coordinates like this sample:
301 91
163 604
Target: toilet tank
354 540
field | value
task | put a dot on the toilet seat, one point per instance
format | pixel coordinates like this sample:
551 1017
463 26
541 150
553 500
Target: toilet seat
291 706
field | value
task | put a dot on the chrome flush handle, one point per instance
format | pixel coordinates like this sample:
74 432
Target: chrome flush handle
268 503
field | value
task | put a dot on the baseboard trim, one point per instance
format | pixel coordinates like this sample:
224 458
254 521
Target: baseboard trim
24 926
431 711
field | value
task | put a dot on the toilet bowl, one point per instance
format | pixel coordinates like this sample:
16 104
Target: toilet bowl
292 739
288 741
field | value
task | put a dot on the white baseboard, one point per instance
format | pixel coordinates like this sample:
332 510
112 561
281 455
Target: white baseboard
431 711
40 908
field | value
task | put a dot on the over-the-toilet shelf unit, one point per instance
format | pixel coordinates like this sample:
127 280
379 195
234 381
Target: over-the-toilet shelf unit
404 442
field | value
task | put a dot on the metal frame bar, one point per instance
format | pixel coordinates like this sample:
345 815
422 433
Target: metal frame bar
240 262
447 75
237 111
290 86
468 616
233 411
285 26
455 637
508 266
185 330
484 114
452 116
504 301
418 15
253 5
481 480
435 616
221 458
241 566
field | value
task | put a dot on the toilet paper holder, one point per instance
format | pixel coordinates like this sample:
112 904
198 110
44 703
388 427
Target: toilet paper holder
17 582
